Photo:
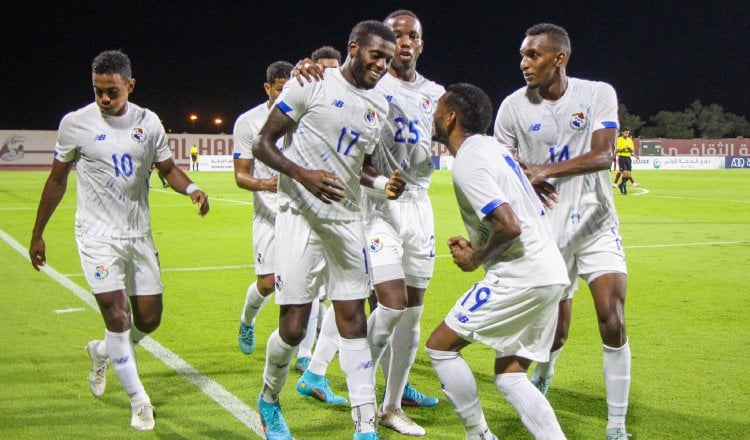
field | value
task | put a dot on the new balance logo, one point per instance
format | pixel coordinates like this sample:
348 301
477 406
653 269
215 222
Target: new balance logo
364 365
121 360
338 103
535 127
101 137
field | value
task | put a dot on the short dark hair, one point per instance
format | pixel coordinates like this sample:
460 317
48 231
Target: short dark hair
472 105
112 61
365 29
625 129
278 70
400 12
326 52
556 33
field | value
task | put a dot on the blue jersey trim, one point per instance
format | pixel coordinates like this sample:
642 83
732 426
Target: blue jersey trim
493 205
236 155
609 124
283 107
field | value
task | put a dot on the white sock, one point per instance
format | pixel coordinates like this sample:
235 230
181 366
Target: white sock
327 346
321 313
546 370
305 347
253 303
380 325
356 364
404 345
278 356
617 382
120 351
535 411
364 418
460 389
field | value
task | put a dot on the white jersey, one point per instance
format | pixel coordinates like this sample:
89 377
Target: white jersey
485 177
337 124
245 133
113 157
543 132
406 139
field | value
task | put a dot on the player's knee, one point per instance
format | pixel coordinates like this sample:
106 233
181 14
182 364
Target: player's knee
148 324
265 285
117 320
612 328
293 335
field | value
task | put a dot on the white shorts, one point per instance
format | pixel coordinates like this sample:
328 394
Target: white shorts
121 264
511 320
598 254
401 239
263 248
312 252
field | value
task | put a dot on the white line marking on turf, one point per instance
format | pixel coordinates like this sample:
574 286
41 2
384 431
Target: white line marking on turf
72 310
703 199
710 243
185 269
211 388
241 202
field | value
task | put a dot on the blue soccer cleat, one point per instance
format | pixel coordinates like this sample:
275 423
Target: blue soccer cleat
302 364
366 436
246 338
413 398
273 422
314 385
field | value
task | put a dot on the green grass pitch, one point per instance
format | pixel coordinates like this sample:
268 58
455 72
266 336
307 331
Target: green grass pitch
687 239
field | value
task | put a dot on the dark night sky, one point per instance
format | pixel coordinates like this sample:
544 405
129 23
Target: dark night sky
209 58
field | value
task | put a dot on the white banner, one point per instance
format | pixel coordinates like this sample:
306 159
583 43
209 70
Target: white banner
678 163
216 163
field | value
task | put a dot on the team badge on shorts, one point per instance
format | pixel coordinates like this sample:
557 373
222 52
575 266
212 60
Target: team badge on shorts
259 258
375 244
578 121
138 135
101 272
279 284
426 105
371 117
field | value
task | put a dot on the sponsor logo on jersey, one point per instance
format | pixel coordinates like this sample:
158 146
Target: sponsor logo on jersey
337 103
535 127
426 105
578 121
101 272
375 244
371 117
389 98
101 137
279 284
138 135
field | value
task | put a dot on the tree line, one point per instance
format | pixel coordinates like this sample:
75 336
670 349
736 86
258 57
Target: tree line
696 121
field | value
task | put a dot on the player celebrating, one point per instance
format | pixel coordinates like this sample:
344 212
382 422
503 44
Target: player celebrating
336 124
513 309
113 143
400 235
563 129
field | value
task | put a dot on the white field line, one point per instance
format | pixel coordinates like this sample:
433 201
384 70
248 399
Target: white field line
240 202
71 310
208 386
185 269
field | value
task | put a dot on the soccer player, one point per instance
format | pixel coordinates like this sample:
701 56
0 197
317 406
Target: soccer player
563 129
194 157
400 232
625 149
113 143
336 124
255 176
513 309
328 58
